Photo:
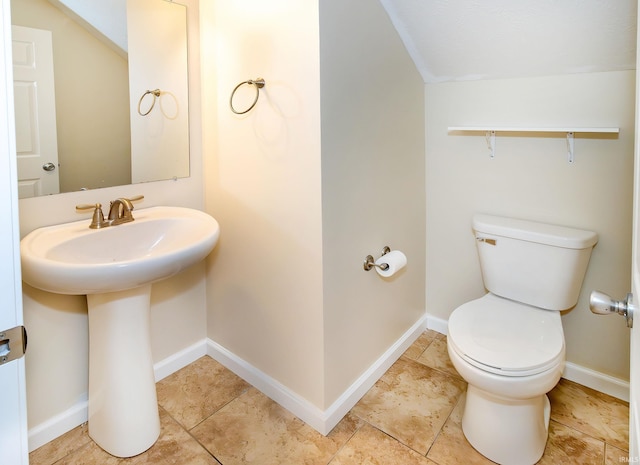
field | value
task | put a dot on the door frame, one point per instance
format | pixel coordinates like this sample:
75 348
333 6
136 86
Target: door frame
13 405
634 369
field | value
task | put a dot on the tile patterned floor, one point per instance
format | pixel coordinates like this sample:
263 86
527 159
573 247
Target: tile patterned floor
412 416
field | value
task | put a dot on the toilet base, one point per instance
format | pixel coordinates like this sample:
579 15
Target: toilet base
507 431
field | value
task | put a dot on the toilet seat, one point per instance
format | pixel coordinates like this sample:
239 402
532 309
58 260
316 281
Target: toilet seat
505 337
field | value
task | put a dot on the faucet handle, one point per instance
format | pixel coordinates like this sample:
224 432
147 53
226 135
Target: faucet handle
136 197
88 206
98 220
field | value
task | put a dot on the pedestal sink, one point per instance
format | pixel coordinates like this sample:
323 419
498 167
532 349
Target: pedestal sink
115 268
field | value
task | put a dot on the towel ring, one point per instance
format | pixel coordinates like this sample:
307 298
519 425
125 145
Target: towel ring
259 83
155 93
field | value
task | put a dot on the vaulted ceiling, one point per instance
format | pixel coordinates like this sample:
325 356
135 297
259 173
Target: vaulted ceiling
451 40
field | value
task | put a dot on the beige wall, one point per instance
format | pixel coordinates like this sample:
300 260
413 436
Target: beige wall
531 178
92 100
373 191
293 184
56 362
264 291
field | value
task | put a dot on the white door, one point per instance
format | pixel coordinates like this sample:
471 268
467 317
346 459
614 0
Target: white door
634 394
35 112
13 410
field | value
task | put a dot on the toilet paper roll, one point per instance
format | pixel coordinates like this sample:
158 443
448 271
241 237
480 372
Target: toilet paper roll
396 261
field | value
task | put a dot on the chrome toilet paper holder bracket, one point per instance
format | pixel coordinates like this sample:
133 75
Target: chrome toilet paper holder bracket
369 262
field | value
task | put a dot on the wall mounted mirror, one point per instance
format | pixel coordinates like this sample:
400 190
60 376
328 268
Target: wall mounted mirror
101 93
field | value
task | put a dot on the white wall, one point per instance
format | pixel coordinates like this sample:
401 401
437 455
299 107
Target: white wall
373 191
293 184
57 371
158 60
264 289
530 178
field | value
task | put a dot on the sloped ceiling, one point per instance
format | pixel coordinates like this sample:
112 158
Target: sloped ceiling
105 19
453 40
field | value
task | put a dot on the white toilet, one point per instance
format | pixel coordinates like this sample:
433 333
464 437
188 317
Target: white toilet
509 344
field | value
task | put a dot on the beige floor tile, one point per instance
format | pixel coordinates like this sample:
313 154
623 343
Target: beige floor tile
591 412
174 446
60 447
436 356
419 345
615 456
89 454
451 447
193 393
568 446
372 447
410 402
255 430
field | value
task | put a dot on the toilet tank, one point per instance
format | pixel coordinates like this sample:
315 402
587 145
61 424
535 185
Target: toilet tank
534 263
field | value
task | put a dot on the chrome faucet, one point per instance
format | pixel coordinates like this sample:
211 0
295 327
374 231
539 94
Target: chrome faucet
119 212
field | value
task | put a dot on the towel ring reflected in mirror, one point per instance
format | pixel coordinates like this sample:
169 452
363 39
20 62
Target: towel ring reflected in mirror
259 83
155 93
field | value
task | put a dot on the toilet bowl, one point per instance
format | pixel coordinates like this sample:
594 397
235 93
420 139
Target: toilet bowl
509 344
511 354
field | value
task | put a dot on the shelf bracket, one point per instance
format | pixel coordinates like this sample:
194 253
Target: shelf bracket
491 143
570 146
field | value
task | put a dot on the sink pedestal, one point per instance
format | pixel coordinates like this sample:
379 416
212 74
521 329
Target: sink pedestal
123 406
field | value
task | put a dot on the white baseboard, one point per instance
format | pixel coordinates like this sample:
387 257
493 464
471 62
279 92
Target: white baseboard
606 384
359 388
437 324
77 414
59 424
321 421
180 359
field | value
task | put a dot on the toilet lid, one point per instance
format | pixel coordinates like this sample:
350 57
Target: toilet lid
506 337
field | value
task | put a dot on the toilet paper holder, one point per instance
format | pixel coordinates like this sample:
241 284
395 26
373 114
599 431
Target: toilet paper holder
369 262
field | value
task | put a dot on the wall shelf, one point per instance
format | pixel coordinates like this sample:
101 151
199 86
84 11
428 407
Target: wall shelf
490 133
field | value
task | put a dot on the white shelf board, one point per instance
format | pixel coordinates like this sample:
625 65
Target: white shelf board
525 129
490 134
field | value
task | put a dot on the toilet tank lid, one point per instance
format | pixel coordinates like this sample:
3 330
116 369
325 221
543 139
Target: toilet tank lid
542 233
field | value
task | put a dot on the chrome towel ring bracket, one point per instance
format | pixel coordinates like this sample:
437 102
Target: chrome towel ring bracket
259 83
155 93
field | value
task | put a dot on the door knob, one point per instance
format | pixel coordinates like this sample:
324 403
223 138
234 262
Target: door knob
601 304
49 167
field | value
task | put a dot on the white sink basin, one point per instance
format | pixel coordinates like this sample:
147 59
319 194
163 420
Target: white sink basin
115 267
73 259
